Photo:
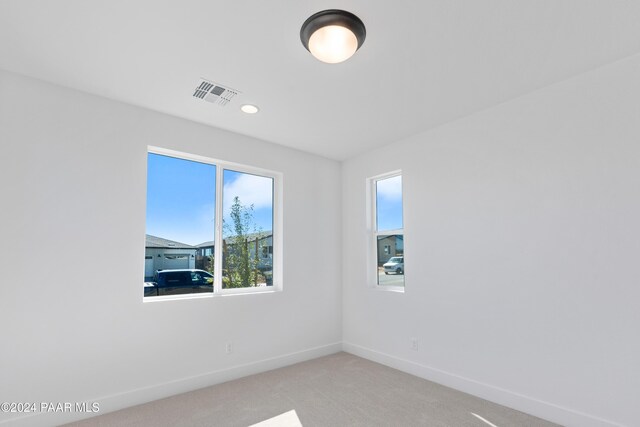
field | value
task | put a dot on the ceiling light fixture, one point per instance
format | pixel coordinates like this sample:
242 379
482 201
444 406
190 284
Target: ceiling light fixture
249 109
333 35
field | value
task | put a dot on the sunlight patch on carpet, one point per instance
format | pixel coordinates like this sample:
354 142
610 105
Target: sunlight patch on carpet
288 419
483 420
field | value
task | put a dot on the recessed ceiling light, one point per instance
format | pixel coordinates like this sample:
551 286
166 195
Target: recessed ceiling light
333 35
249 109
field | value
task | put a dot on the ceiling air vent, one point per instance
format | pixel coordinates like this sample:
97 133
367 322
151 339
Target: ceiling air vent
214 93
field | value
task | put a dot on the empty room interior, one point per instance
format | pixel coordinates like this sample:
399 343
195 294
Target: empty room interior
309 213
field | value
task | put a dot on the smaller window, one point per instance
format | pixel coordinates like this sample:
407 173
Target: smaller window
387 231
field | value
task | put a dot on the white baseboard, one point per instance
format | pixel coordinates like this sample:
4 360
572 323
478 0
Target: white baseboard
545 410
529 405
147 394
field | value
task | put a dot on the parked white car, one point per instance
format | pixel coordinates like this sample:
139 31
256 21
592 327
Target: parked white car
394 265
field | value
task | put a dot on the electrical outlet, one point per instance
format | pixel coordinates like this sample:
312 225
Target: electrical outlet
229 348
414 344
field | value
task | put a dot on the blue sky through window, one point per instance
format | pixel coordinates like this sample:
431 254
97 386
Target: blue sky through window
389 203
181 198
251 190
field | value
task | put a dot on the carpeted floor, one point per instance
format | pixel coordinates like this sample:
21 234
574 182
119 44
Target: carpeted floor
337 390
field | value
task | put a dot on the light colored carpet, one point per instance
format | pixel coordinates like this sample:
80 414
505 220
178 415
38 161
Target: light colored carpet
337 390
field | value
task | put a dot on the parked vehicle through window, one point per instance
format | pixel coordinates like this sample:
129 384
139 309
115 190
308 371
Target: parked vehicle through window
211 228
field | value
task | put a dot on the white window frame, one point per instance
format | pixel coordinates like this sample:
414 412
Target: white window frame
372 226
277 263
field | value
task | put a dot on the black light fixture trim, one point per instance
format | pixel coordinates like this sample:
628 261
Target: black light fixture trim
332 17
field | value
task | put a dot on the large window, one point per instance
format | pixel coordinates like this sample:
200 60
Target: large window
211 227
387 257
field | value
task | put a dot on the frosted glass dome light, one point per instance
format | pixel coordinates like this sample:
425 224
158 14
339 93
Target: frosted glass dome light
333 36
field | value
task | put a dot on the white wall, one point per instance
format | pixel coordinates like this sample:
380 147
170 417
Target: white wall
72 182
522 251
522 243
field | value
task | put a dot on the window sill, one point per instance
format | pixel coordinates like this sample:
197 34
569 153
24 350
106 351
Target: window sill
225 293
383 288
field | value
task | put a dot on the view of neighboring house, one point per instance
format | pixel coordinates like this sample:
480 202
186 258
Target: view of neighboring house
205 248
261 242
389 246
204 255
163 254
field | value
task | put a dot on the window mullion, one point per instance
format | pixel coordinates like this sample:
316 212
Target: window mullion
218 249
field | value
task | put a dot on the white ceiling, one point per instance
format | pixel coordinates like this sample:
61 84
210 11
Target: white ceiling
424 62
